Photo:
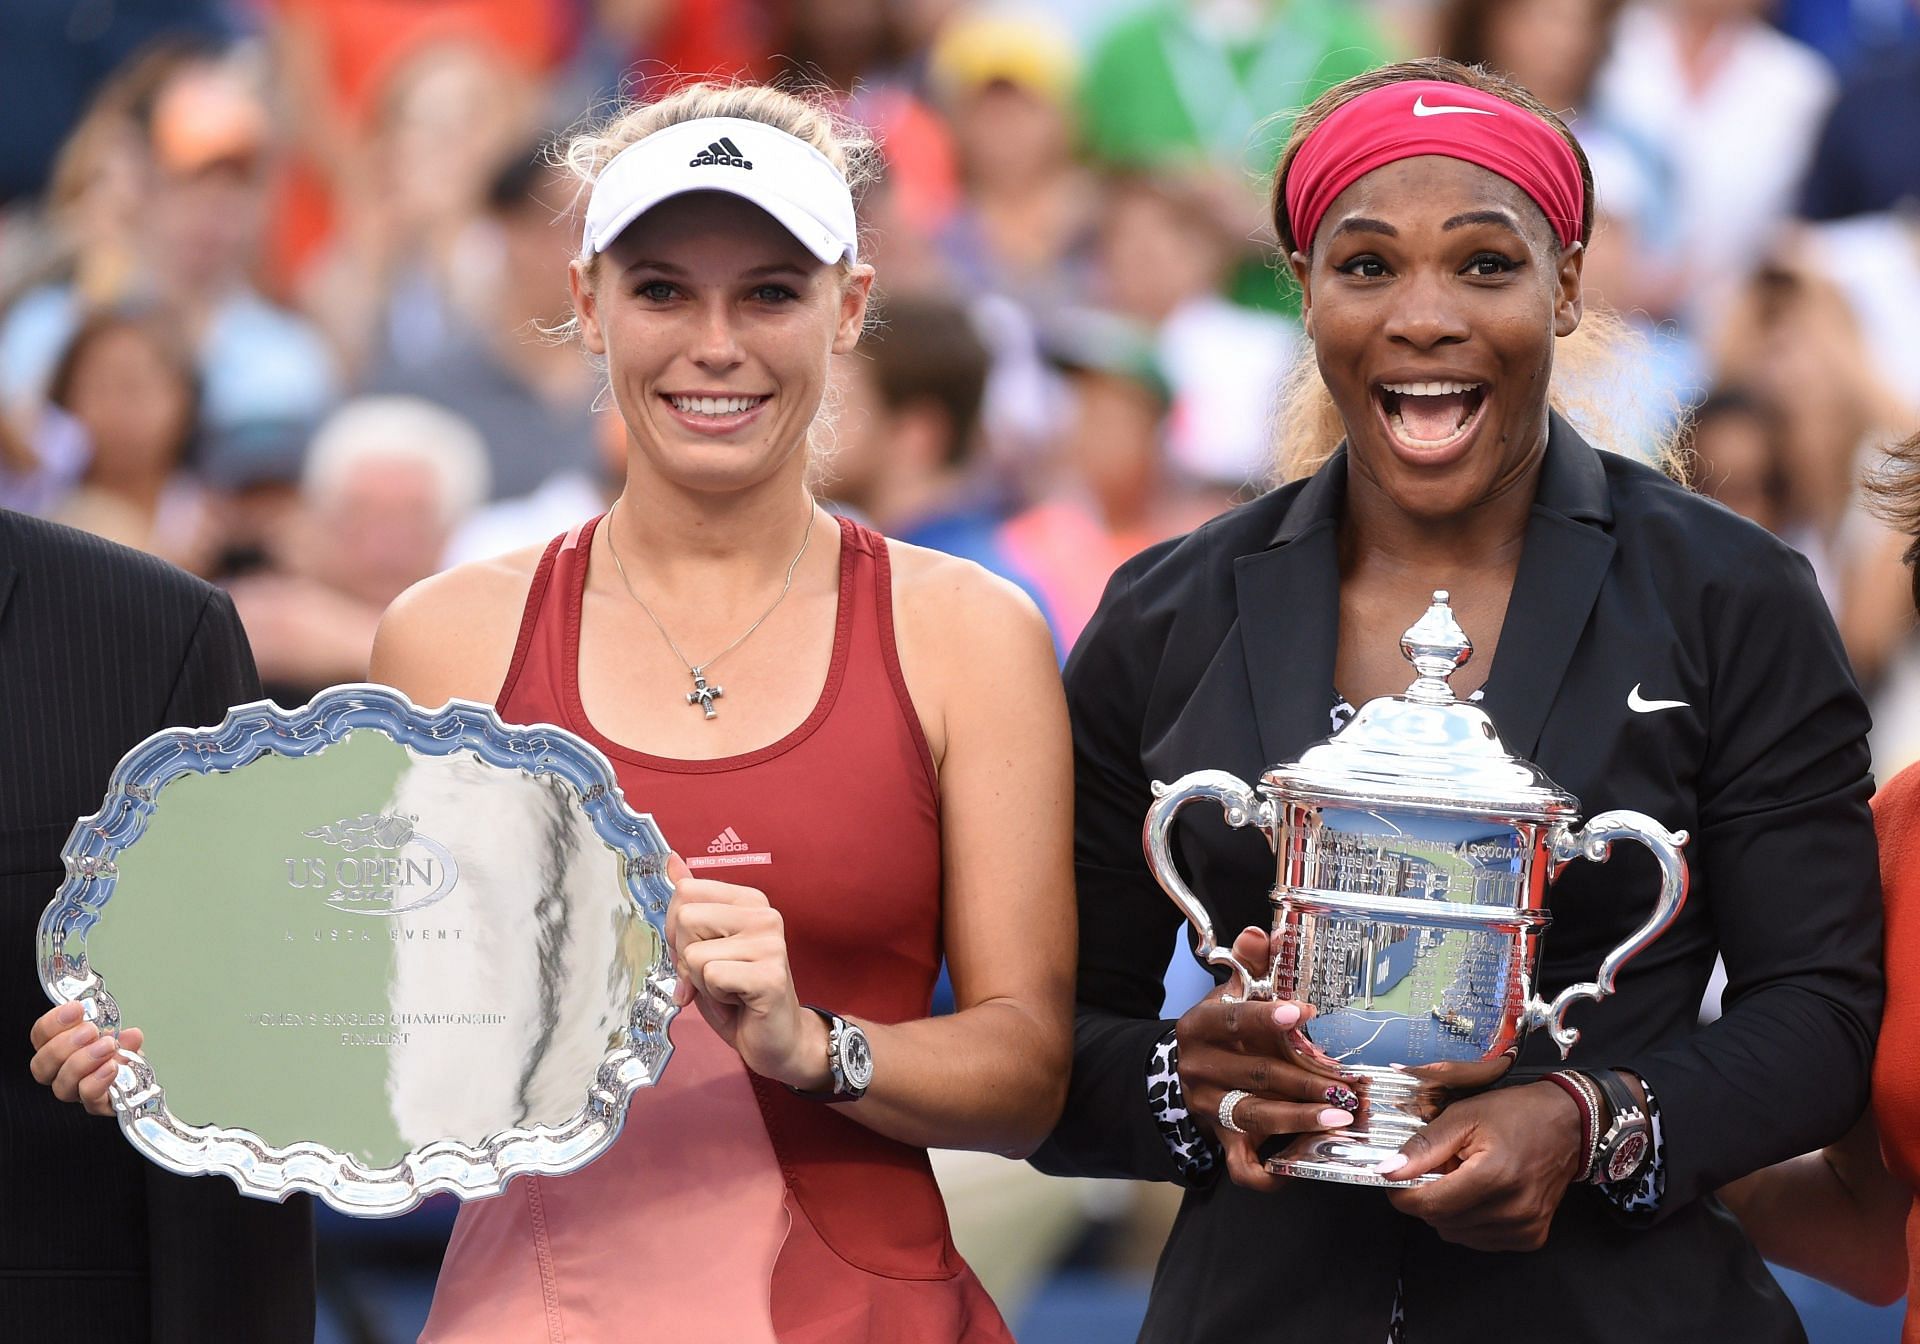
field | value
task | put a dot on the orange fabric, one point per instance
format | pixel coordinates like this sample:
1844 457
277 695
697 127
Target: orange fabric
365 39
362 42
1910 1330
706 39
1896 1062
1070 557
921 162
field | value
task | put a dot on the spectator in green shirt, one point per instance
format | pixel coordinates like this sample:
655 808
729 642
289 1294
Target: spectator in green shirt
1210 87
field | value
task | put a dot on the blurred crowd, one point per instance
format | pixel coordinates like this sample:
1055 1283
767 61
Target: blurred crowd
279 278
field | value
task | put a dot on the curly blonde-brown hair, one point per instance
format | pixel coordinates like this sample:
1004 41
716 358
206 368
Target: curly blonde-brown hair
1893 490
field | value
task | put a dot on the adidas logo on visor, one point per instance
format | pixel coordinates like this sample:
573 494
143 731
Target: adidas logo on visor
722 153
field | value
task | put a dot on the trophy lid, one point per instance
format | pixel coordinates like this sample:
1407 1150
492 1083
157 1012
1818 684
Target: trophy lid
1424 747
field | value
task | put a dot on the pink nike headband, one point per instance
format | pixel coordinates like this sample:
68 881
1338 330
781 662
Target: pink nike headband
1427 116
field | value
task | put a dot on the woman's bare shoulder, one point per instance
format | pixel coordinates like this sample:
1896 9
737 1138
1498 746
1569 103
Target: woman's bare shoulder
974 649
452 635
954 602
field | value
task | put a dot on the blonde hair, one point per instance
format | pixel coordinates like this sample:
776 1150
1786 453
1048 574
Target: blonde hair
1599 363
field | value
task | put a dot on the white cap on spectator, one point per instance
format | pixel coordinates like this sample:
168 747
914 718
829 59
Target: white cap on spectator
782 174
400 429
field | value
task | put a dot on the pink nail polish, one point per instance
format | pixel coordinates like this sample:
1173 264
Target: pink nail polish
1387 1166
1332 1119
1286 1014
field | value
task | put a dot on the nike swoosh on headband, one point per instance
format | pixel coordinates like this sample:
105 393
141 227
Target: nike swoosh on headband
1420 109
1641 706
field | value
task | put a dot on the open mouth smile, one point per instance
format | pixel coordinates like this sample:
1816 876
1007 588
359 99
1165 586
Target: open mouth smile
714 414
1427 419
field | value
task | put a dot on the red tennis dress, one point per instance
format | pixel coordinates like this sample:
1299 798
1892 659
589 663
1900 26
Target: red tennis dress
729 1208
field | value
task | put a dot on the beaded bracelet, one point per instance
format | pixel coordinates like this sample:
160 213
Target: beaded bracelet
1586 1096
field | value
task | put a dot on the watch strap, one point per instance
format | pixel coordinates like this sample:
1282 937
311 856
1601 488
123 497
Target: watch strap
839 1088
1626 1139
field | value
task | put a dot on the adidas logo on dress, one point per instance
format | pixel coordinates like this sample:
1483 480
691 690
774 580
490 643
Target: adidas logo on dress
728 850
722 153
727 842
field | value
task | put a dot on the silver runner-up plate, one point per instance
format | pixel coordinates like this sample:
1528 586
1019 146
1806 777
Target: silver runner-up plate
377 952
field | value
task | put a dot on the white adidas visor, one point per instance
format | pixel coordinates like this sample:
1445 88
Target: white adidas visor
782 174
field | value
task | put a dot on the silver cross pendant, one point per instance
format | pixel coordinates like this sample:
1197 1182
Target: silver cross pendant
703 694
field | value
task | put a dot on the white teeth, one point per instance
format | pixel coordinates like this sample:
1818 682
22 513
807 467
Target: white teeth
714 405
1428 389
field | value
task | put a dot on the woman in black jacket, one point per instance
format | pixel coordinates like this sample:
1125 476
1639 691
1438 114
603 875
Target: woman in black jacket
1645 647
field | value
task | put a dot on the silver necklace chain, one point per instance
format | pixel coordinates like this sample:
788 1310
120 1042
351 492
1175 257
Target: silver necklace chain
703 694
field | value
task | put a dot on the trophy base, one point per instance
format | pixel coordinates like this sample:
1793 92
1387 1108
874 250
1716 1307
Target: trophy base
1349 1157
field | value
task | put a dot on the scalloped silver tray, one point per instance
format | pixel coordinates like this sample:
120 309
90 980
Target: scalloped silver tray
377 952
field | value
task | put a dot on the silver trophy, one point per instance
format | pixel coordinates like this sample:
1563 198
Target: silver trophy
1415 854
378 952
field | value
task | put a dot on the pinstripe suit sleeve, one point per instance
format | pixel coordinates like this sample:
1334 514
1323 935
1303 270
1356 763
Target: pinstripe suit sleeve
217 671
99 647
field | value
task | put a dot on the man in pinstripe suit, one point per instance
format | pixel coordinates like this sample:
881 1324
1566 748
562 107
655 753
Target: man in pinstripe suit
99 647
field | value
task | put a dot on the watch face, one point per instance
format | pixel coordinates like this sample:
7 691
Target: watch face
856 1058
1625 1159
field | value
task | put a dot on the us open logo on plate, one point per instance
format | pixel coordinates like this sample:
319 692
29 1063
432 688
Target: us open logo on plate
728 850
386 867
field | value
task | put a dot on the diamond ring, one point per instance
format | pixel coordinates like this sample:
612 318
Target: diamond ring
1227 1103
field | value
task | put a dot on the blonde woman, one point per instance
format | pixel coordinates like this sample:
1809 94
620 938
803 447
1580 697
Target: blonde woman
801 705
859 747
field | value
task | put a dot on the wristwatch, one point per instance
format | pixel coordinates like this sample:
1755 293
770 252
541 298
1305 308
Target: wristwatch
849 1060
1626 1143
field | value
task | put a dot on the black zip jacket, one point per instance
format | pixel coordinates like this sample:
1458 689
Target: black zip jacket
1217 650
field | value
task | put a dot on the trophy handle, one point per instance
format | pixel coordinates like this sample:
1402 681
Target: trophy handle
1593 842
1242 808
